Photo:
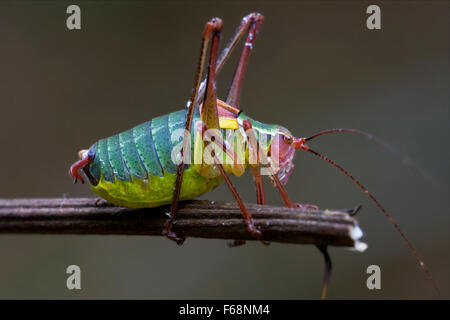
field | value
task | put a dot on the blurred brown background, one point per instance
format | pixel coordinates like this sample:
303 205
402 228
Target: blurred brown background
315 66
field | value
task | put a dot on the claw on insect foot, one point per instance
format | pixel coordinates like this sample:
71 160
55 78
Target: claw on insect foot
100 201
257 234
172 236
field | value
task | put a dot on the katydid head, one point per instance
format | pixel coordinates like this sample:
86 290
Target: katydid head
282 152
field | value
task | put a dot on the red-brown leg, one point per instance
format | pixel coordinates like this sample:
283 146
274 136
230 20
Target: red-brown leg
233 98
247 216
210 119
287 200
212 32
259 184
234 93
246 22
209 111
212 29
260 199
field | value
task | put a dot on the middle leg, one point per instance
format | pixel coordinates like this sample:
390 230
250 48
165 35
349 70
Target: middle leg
254 20
261 159
221 146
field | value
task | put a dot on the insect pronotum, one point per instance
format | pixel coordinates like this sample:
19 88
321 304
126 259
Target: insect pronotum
150 164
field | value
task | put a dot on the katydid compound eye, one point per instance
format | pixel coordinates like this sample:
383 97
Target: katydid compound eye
288 139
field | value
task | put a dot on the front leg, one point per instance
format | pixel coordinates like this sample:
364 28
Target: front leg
261 159
256 149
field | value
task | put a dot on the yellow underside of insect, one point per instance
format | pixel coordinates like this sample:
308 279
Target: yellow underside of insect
154 191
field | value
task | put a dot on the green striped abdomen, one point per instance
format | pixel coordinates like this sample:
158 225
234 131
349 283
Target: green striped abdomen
135 168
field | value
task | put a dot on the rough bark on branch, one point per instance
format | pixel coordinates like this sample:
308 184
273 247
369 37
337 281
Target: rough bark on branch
203 219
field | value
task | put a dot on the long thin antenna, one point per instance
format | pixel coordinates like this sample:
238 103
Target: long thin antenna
403 157
366 191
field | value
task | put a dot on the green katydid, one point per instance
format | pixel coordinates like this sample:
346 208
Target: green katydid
141 167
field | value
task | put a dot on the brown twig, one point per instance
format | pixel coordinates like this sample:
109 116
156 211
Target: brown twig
203 219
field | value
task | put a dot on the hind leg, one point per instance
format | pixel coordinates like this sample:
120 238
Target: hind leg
210 34
200 90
